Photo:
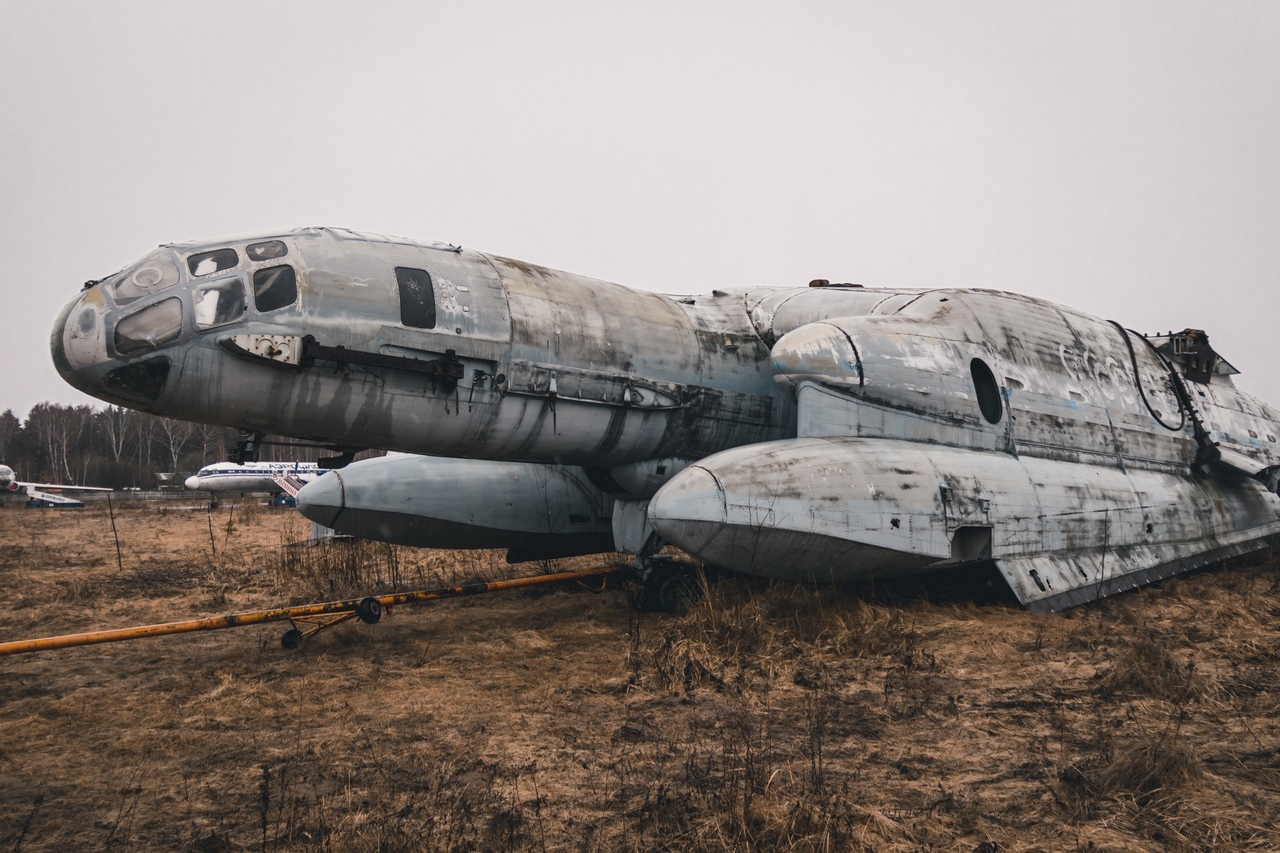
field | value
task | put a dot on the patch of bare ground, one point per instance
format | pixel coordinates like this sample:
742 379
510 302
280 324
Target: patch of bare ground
768 718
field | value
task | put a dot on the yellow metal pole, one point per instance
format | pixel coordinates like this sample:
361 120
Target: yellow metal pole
280 614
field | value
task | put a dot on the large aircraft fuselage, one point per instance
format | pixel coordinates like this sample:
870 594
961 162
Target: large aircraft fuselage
830 433
425 349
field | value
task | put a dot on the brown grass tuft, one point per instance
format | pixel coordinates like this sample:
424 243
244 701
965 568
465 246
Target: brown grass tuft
741 631
1148 668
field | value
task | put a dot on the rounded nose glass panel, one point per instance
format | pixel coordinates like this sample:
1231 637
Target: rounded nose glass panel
144 378
208 263
83 339
266 250
218 303
150 328
153 273
275 287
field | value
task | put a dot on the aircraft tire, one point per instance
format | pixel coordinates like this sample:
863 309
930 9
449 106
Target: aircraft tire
369 610
291 639
671 589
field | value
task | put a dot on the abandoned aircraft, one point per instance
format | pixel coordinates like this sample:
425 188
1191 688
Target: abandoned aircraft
36 497
830 432
251 476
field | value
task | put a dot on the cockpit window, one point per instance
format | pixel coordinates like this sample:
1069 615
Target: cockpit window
150 328
274 287
208 263
153 273
266 251
417 298
218 302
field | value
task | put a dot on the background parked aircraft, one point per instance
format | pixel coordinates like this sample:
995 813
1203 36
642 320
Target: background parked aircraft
10 483
251 476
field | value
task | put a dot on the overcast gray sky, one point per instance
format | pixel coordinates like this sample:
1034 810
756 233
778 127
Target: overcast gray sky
1119 157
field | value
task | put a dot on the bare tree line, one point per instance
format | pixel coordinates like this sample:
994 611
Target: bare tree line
115 447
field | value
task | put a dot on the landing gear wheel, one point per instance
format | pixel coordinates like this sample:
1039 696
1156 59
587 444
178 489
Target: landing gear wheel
369 610
671 589
291 639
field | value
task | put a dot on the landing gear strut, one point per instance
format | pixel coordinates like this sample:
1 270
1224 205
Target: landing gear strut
668 585
247 447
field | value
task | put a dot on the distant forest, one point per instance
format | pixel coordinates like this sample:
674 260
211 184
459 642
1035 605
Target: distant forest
115 447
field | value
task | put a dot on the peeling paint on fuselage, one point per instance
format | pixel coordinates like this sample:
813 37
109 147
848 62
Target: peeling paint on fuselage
830 432
1087 474
555 367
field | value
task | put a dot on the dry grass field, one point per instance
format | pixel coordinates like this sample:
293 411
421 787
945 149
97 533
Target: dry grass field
768 718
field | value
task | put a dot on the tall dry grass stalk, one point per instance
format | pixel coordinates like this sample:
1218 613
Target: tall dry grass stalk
346 568
739 630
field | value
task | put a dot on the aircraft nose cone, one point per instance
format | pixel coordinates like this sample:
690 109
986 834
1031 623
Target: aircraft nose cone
192 483
78 341
689 511
322 500
58 347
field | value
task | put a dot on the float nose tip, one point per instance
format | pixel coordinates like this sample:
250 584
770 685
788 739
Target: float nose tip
689 510
322 500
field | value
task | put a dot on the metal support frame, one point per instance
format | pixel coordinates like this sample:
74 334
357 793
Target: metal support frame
246 449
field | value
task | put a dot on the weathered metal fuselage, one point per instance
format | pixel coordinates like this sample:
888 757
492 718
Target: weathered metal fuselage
480 357
829 433
963 425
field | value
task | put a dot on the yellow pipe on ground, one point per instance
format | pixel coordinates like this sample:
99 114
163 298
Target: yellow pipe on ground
280 614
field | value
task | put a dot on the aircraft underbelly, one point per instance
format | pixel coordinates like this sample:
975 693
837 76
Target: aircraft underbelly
850 509
418 531
792 555
400 409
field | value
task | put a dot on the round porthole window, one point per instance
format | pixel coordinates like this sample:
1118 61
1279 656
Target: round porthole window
984 383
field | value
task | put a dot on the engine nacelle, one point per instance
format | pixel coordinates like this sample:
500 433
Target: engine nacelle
894 376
